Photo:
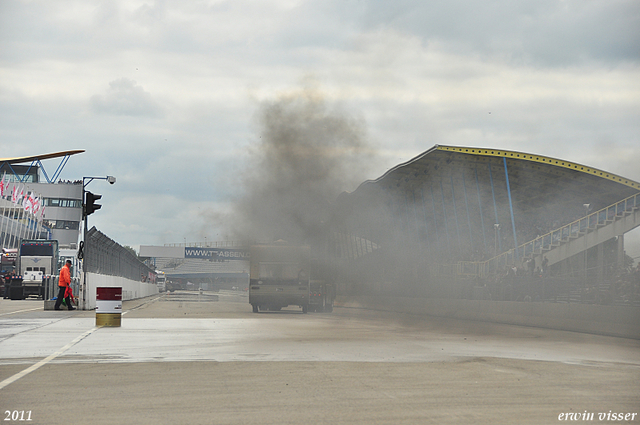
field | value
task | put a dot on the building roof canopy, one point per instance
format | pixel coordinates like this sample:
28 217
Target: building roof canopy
454 195
534 180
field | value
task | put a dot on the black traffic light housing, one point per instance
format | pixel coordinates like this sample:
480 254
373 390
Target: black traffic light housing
90 205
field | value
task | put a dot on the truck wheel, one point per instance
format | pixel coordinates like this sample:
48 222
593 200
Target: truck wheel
328 308
255 307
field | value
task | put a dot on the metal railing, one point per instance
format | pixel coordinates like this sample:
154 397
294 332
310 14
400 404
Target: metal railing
552 239
581 226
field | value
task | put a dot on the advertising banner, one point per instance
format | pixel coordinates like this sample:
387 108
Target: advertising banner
217 254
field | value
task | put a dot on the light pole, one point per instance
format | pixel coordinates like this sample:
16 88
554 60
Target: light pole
85 213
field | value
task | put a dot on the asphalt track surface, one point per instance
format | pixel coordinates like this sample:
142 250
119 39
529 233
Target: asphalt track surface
190 358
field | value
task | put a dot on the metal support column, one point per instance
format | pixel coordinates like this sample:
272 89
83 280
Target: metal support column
495 210
513 222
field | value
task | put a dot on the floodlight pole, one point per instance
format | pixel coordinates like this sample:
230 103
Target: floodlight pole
85 183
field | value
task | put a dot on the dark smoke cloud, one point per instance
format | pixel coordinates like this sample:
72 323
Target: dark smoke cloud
308 153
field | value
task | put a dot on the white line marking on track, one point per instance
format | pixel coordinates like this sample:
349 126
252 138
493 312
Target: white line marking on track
20 311
46 360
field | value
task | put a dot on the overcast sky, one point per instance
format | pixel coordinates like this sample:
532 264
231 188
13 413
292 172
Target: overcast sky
164 95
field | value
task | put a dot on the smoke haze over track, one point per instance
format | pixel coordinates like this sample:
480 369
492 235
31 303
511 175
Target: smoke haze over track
309 151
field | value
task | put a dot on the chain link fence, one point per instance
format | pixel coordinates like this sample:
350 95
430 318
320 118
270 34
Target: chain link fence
105 256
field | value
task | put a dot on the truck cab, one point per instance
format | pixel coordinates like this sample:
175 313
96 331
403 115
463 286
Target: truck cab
37 260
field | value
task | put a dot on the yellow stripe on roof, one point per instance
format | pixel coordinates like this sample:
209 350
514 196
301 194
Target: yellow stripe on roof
543 160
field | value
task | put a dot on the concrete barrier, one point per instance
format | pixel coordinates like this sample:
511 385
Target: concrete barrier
620 321
131 289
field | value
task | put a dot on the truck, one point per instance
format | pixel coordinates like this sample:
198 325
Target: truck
279 276
161 281
37 261
8 260
321 295
7 269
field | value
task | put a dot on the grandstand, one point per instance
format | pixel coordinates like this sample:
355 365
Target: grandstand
458 214
62 200
467 222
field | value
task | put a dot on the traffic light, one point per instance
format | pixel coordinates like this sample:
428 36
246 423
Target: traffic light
90 205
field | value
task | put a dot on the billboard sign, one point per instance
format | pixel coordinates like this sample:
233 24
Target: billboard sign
217 254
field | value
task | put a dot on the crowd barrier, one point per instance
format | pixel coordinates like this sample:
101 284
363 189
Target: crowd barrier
131 289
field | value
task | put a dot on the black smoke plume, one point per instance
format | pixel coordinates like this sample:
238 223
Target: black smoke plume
308 152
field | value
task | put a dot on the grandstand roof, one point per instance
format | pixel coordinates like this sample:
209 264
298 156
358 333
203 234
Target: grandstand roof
530 176
456 195
9 164
24 159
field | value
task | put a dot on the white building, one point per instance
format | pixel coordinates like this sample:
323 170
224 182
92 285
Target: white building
62 202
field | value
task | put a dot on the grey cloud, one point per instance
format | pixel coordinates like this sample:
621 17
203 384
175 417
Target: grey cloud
385 59
548 32
124 97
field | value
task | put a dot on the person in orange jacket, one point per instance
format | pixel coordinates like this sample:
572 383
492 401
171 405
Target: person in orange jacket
63 284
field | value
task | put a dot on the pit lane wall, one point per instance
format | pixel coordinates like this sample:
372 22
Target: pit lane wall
619 321
131 289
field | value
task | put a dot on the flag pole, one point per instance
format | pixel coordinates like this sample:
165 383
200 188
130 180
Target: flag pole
4 187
